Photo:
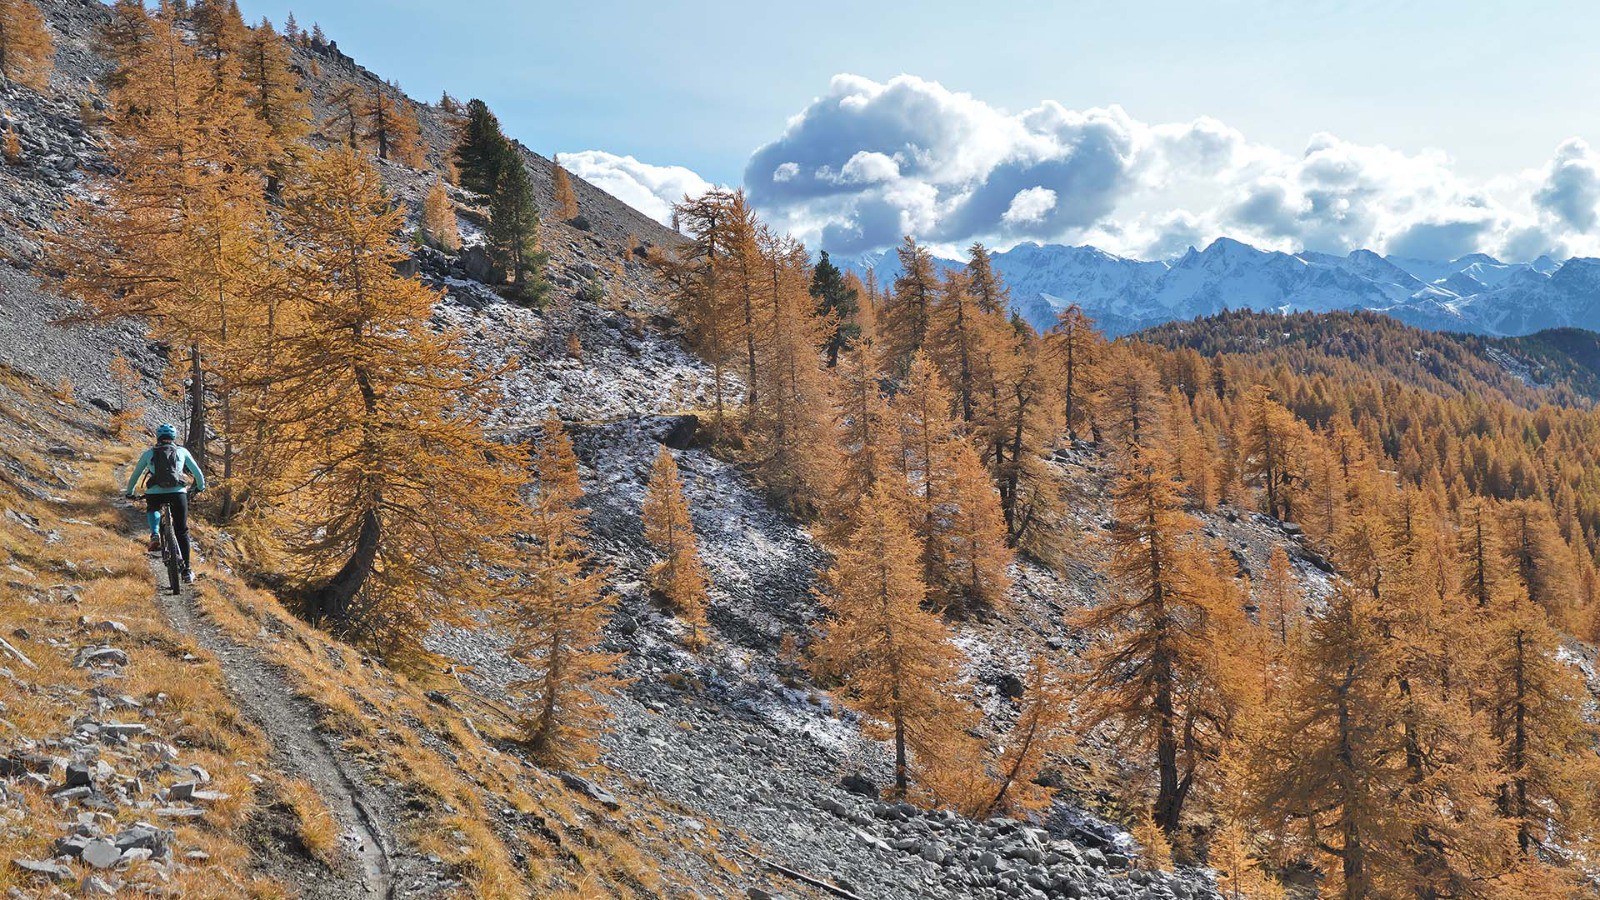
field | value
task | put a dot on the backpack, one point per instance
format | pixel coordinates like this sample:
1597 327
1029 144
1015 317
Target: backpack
166 467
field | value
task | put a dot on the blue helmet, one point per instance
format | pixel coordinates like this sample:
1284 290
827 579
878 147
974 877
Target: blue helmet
166 432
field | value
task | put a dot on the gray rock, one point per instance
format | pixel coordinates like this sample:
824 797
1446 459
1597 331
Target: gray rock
47 868
101 853
857 783
144 837
477 265
591 790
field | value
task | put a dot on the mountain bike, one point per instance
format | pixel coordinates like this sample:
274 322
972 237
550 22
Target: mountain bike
171 555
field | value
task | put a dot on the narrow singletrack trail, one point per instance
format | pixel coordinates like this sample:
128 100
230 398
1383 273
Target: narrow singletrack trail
299 749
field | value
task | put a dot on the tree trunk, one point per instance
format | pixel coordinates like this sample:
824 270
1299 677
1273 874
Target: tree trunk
195 440
333 600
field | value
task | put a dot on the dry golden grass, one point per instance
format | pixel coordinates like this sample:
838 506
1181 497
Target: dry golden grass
315 824
65 578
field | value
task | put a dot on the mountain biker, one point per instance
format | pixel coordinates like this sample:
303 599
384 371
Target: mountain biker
166 464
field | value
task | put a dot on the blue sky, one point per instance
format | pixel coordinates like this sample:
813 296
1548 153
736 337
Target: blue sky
1484 92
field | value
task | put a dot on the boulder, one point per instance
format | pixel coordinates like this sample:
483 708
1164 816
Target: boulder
1010 686
857 783
477 265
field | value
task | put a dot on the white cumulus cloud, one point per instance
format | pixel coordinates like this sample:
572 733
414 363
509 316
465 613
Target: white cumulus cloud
868 162
648 188
1029 206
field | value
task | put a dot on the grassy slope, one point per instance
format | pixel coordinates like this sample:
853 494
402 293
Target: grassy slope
502 827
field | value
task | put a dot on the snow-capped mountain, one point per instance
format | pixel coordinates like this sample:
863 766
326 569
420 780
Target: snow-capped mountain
1476 293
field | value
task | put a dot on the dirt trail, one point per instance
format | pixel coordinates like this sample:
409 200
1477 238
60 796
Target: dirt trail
300 750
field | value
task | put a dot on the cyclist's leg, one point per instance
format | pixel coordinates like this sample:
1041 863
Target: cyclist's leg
178 508
152 513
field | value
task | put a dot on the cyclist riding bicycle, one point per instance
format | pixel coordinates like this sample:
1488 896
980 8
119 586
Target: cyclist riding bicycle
166 463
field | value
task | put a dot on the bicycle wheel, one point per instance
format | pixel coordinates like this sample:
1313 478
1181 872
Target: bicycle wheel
171 556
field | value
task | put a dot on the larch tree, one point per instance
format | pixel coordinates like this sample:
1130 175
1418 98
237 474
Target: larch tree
1269 435
893 659
1023 425
791 435
1548 769
26 51
274 92
390 125
679 577
123 36
867 439
700 289
1442 736
177 236
1154 673
1536 556
955 343
1339 757
1130 406
556 608
907 312
952 508
345 122
1281 597
1077 346
991 294
398 413
1041 730
219 29
837 304
566 197
439 226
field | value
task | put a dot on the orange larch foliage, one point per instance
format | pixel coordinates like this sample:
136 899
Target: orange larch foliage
439 226
952 508
680 576
699 283
792 429
1158 673
273 89
894 659
26 51
390 125
1040 731
179 236
566 197
556 609
381 517
906 314
1281 597
1078 348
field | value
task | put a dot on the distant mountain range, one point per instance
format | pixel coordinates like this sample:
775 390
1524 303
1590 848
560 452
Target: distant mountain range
1476 293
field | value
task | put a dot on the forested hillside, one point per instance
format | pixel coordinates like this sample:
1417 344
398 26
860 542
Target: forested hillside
553 553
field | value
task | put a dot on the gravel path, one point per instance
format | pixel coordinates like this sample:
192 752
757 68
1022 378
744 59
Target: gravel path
299 749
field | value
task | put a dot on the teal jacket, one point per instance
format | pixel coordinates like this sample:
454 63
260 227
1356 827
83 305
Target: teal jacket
185 461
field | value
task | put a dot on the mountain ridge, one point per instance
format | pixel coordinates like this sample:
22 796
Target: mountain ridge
1475 293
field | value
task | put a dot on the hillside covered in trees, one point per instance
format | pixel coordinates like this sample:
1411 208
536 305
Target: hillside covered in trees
554 553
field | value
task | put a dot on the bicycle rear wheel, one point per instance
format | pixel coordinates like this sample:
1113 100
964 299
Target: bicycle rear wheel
171 555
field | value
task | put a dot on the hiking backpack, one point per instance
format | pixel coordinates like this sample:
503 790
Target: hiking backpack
166 468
